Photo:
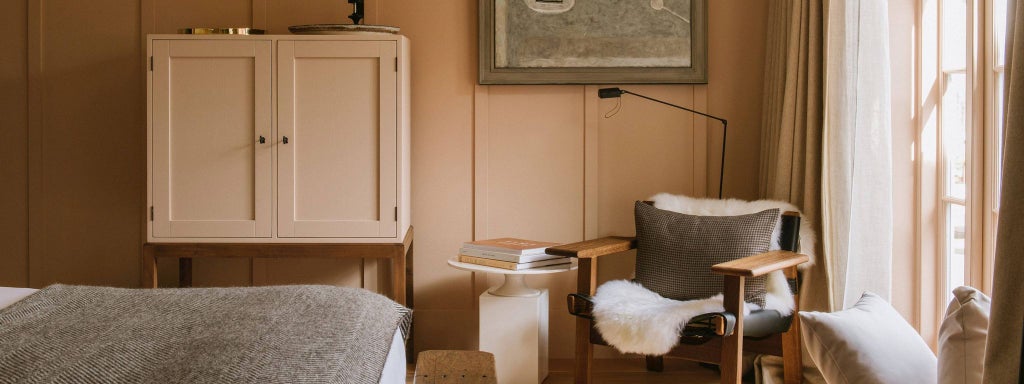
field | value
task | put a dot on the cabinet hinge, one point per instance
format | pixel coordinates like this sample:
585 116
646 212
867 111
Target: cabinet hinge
150 213
396 64
396 213
151 63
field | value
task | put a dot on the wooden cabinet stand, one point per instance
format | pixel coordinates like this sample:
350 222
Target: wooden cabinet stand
399 254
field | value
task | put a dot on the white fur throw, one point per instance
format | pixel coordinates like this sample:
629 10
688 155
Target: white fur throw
635 320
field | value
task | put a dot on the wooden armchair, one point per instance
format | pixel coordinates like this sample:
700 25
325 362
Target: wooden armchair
715 338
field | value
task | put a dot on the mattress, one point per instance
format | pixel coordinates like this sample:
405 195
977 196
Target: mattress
394 366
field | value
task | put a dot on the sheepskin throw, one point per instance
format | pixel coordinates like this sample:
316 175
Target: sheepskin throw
634 319
293 334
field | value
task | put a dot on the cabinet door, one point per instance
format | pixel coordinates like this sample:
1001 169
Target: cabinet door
337 169
211 104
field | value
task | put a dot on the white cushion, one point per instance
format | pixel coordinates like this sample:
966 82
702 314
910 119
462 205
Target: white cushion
868 343
962 337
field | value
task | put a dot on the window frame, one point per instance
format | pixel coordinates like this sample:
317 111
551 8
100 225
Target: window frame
982 169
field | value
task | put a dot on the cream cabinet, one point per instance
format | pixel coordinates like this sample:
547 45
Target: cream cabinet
278 138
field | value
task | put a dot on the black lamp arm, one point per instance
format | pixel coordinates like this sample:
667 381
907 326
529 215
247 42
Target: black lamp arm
724 122
606 93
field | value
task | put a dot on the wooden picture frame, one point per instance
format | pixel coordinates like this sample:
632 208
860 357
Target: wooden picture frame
501 57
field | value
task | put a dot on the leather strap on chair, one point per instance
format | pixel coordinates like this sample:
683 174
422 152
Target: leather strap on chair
794 285
789 238
720 323
580 305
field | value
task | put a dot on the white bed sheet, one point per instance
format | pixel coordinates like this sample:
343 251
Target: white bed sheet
394 366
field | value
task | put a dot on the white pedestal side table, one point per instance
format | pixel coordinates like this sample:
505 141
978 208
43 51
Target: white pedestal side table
514 323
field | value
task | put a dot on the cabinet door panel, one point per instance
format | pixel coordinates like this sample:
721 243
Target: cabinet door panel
211 103
337 106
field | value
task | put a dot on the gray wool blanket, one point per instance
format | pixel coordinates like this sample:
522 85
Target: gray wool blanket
293 334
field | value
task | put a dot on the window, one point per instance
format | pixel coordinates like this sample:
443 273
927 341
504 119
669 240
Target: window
961 72
955 109
993 131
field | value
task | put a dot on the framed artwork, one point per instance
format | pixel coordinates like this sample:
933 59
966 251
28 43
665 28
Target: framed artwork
593 41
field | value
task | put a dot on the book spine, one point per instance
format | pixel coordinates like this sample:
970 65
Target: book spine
489 262
510 265
505 256
487 248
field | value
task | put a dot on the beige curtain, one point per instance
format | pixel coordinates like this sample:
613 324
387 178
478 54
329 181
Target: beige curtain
791 140
1003 351
792 123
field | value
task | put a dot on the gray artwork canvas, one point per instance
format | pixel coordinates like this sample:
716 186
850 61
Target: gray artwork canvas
592 33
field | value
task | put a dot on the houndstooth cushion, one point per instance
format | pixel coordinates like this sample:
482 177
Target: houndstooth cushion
675 251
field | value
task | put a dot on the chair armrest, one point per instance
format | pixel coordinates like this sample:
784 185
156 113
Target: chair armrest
594 248
760 264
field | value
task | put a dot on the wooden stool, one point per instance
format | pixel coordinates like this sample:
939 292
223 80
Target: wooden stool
463 367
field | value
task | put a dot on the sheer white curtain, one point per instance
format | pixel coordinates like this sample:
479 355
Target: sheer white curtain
857 151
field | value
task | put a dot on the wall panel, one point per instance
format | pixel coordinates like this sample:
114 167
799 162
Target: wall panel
735 85
340 272
443 43
283 13
643 149
535 181
171 15
87 127
14 155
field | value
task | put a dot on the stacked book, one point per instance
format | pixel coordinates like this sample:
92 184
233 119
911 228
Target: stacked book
509 253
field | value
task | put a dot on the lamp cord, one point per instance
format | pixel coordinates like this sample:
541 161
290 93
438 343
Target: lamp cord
614 111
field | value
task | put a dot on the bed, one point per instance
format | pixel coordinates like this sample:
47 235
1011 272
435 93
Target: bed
19 304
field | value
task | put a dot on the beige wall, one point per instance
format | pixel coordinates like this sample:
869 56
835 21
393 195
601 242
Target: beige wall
14 155
906 279
535 161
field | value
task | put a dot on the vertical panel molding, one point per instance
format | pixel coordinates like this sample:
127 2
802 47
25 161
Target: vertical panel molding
259 14
14 158
36 227
481 110
591 114
702 184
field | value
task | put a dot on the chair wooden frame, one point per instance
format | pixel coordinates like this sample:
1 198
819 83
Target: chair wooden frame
726 350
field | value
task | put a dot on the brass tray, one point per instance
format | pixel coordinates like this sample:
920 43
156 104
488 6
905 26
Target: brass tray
221 31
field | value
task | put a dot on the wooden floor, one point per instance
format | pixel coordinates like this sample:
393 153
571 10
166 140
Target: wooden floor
628 371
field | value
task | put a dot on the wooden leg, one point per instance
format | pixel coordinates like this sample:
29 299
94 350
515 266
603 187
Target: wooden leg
409 347
655 363
792 359
586 281
584 373
792 356
398 275
185 272
408 275
732 346
149 271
